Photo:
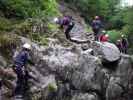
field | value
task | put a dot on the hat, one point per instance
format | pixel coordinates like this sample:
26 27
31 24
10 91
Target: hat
27 46
96 17
107 35
56 20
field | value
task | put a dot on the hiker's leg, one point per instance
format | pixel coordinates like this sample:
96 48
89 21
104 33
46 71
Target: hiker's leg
67 34
26 78
19 84
95 34
67 31
26 88
125 50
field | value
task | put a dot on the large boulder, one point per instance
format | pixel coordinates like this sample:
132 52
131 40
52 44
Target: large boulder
107 51
85 96
80 69
73 69
120 85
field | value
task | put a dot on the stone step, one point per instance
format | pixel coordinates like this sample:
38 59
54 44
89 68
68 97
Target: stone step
18 97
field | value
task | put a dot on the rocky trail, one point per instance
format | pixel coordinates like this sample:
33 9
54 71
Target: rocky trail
87 71
79 31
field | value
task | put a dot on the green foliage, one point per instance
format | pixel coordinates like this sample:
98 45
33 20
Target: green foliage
114 35
128 28
5 24
8 42
22 28
40 39
91 8
29 8
52 27
52 87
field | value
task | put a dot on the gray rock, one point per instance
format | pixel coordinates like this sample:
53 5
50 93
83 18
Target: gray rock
85 96
107 51
3 62
81 70
114 90
120 85
78 70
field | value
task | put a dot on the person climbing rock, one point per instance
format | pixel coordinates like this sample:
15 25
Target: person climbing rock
124 43
96 26
20 61
119 45
104 37
67 24
68 29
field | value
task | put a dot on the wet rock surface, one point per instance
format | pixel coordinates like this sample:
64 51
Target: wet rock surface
107 51
69 73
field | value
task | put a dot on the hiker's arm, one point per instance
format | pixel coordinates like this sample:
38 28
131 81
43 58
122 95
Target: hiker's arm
31 62
102 25
127 42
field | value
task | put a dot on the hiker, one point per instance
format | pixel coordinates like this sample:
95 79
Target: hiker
119 45
20 61
96 27
67 24
103 37
124 43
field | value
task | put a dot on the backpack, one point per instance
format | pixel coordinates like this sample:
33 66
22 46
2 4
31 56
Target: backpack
96 24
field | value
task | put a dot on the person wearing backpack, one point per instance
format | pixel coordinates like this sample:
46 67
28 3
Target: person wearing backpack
104 38
20 61
96 27
124 43
69 28
67 24
119 45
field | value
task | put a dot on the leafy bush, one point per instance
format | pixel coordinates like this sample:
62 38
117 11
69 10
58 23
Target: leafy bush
28 8
91 8
8 42
5 24
128 28
114 35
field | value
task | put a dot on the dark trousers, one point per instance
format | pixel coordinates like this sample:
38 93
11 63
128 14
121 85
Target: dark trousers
96 34
67 31
124 50
22 81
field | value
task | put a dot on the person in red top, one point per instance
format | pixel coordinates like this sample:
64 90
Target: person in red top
104 38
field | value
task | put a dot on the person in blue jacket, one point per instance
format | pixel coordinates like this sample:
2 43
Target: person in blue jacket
96 27
20 61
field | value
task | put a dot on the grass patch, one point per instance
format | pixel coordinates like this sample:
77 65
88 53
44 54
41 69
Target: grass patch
5 24
7 43
40 39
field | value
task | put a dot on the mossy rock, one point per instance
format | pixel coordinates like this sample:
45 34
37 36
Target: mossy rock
52 87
